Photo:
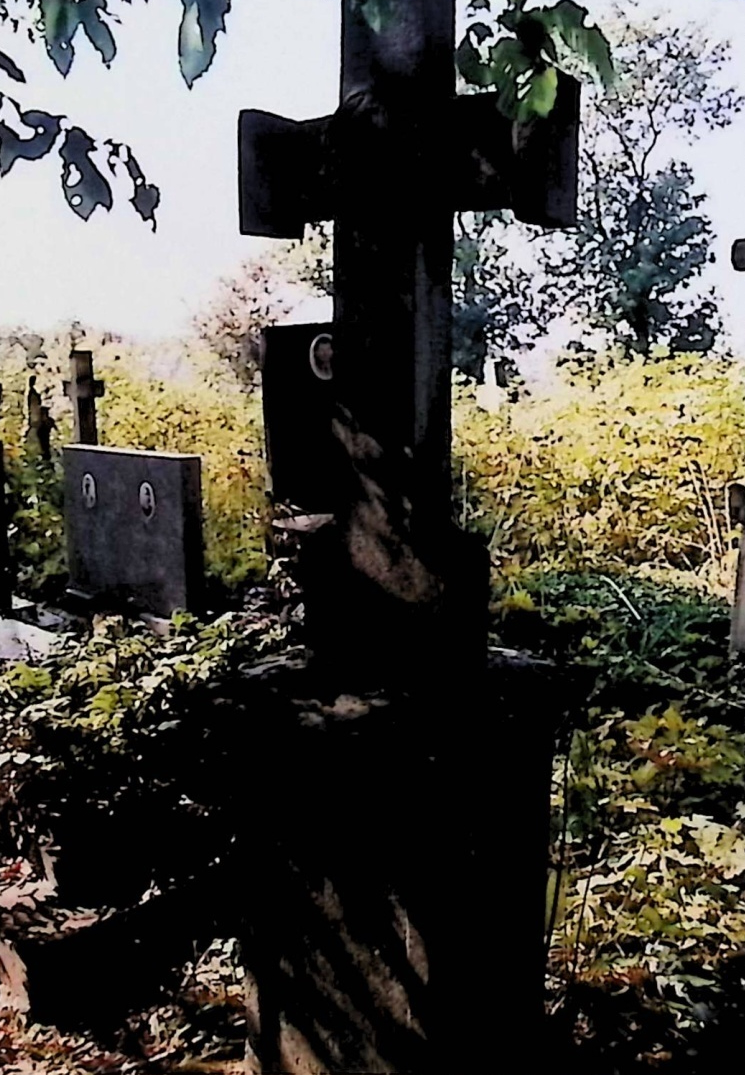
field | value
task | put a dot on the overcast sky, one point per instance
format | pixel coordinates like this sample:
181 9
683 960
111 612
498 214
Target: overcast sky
279 55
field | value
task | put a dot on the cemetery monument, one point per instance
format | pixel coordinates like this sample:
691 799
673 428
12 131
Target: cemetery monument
393 164
134 528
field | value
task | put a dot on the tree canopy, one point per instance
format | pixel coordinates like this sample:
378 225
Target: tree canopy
643 237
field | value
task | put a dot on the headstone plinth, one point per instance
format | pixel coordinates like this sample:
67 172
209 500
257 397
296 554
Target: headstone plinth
134 528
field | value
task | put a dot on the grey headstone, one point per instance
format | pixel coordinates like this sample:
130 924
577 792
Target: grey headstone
134 527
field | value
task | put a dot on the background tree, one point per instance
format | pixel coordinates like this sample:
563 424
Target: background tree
499 308
643 240
261 292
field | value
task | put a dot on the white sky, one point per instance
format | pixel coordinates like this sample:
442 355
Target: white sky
280 55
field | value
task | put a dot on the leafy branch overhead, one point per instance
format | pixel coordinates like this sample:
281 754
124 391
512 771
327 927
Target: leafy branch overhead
28 134
518 52
522 64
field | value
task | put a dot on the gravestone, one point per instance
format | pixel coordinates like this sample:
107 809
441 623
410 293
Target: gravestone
134 528
298 397
83 389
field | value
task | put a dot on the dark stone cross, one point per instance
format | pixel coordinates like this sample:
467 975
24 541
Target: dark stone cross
6 583
737 513
393 164
83 389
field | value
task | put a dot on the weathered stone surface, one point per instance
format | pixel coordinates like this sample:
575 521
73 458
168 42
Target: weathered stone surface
134 527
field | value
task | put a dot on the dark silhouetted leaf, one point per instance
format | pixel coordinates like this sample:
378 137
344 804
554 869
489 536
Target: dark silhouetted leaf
146 195
61 20
480 31
201 21
98 32
83 185
472 67
11 69
13 146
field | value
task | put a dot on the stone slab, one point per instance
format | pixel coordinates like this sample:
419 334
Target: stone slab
134 528
298 410
23 642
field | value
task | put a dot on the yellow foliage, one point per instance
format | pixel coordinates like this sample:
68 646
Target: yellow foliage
633 471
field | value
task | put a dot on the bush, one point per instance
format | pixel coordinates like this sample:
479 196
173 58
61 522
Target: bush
632 471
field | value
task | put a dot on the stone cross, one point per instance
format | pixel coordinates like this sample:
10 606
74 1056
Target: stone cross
83 390
737 512
398 158
6 589
392 579
736 506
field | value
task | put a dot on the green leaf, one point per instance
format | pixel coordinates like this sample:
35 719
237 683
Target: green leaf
566 22
509 64
540 96
200 24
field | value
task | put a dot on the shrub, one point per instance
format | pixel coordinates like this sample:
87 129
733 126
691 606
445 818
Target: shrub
632 471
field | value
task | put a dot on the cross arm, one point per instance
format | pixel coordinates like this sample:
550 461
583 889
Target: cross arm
286 173
80 388
531 169
281 174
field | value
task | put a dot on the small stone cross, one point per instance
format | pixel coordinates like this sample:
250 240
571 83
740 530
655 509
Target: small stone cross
83 390
5 576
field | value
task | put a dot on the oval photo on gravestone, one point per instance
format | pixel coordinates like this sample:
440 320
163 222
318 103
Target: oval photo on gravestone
147 500
738 255
88 488
321 357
